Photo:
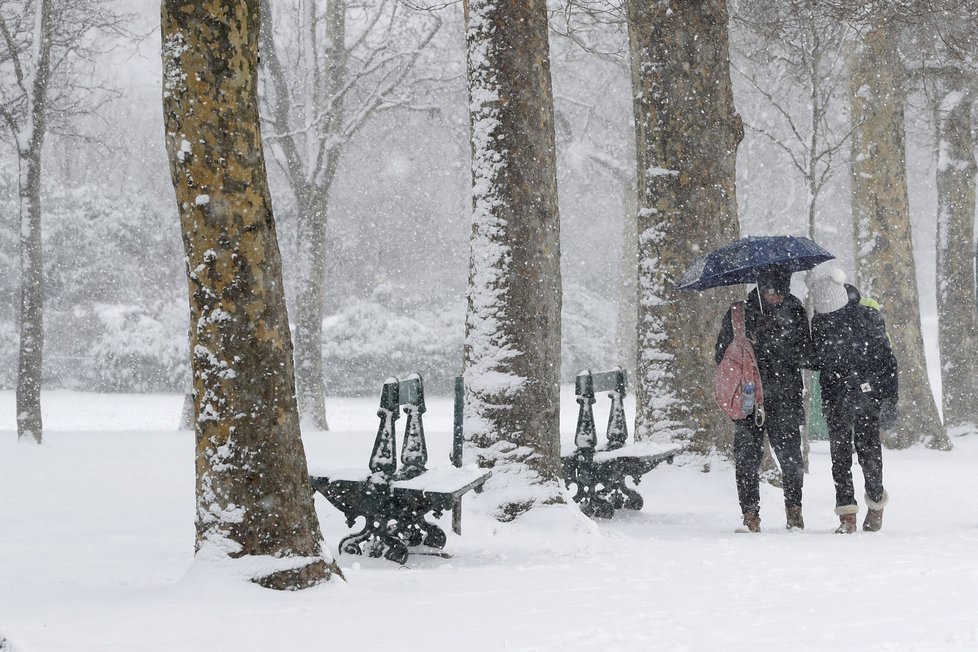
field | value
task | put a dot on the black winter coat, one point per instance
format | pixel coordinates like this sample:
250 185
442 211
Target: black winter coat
783 346
852 351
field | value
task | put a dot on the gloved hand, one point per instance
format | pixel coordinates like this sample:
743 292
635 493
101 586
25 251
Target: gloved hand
888 414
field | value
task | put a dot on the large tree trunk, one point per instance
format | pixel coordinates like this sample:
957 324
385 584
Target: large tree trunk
958 322
30 361
881 216
253 494
687 132
512 328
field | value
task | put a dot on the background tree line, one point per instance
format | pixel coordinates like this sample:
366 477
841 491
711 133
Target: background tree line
389 282
371 140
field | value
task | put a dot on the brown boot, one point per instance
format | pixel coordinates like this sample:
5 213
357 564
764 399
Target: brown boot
873 521
794 518
847 519
874 516
752 522
847 524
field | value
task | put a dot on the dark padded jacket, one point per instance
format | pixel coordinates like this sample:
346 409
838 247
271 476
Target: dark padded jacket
783 346
857 365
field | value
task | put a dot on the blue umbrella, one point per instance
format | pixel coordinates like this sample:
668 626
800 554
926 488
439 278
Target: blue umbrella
741 260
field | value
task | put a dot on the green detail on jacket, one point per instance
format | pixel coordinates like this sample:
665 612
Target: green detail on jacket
870 303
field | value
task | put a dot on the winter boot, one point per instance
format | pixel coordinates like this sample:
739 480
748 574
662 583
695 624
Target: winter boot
874 517
752 522
794 518
847 519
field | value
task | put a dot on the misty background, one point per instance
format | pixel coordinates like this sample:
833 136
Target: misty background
398 223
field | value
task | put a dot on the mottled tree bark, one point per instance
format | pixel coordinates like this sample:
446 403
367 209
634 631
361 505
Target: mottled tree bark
253 494
881 216
512 328
30 142
957 319
687 133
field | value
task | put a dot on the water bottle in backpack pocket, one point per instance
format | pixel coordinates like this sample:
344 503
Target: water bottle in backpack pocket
747 398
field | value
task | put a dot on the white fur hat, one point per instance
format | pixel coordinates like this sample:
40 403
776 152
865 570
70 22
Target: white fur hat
826 286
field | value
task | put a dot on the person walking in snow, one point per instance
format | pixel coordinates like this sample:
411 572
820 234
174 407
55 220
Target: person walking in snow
777 327
858 375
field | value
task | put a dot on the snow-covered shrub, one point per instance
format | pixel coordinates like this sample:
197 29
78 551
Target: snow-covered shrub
388 334
110 249
113 266
9 342
140 350
368 341
588 332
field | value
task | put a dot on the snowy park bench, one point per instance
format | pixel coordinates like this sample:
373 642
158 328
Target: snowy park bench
392 502
599 474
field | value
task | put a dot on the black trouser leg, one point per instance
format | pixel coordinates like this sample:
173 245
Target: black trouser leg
748 448
840 446
786 441
869 451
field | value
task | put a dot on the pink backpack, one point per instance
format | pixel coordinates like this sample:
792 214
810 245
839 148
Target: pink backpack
737 368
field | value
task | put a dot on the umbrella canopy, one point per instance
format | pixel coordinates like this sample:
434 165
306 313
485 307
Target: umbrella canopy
741 260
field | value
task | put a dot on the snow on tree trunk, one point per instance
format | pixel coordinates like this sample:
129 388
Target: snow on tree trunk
881 216
30 143
957 319
512 326
687 132
253 494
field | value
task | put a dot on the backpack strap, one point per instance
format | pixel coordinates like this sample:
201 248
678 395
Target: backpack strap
737 320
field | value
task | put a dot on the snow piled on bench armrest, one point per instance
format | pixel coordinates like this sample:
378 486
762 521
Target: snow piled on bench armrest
631 449
446 479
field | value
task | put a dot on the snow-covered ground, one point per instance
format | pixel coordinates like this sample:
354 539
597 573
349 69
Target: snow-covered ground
96 552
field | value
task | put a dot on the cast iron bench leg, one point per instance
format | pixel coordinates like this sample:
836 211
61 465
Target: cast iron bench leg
434 536
396 550
624 497
602 508
350 544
